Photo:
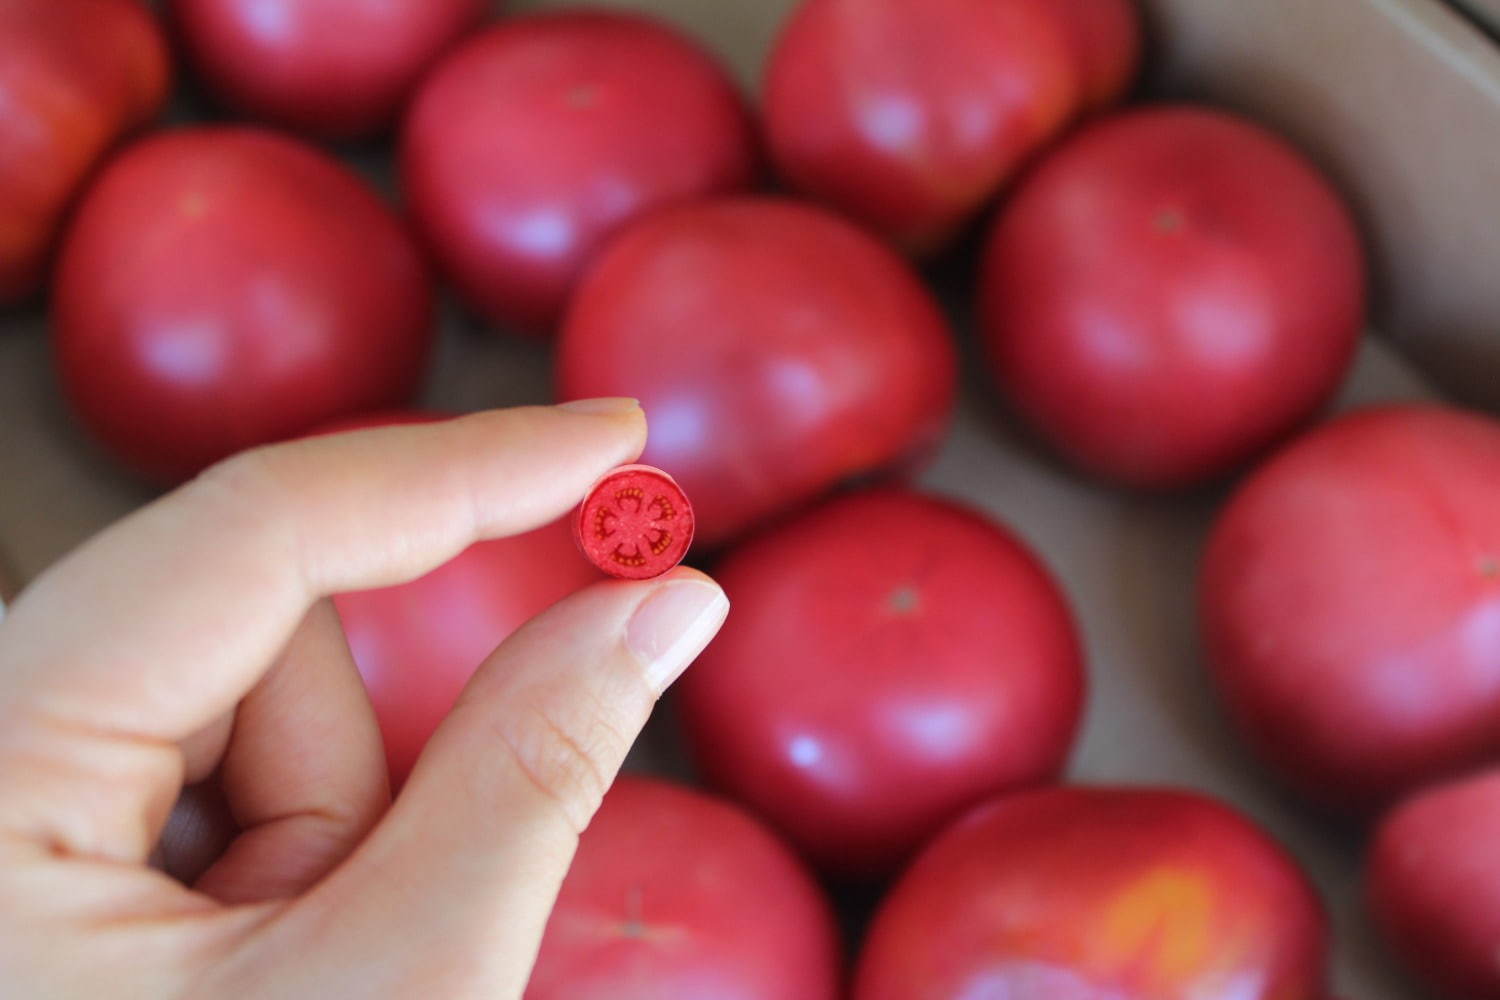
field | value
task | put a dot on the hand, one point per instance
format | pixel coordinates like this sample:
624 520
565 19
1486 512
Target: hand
194 636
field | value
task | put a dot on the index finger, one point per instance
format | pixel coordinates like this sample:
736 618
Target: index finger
168 618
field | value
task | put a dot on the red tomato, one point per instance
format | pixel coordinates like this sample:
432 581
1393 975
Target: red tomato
225 287
1435 886
417 644
934 664
1098 894
910 114
1106 40
1169 293
75 75
340 69
777 351
537 139
676 894
1351 604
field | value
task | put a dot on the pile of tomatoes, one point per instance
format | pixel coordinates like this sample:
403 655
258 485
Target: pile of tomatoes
1167 296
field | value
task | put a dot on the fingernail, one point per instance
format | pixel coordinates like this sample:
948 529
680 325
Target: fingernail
672 626
607 406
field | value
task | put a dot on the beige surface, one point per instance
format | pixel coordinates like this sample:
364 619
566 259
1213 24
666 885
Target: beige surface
1127 562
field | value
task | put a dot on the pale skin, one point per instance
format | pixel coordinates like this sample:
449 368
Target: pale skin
195 637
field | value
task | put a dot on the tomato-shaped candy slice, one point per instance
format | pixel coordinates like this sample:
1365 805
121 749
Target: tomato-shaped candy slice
636 523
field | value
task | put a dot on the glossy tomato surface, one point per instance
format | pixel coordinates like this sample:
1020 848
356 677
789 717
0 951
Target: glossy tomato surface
1106 39
1434 886
910 114
1098 894
1169 293
417 644
777 351
339 69
225 287
1351 604
675 894
535 140
75 75
892 659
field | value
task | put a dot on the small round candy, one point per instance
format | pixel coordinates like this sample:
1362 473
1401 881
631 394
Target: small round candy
636 523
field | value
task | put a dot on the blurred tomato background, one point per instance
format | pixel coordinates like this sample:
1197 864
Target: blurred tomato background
1083 647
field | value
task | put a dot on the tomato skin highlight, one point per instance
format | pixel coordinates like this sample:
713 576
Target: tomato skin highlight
538 138
1169 293
674 893
417 644
1098 894
333 69
935 663
224 287
1350 605
75 76
776 349
910 114
1434 885
639 552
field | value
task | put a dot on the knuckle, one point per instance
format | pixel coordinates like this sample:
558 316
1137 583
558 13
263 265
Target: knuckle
250 494
248 481
570 757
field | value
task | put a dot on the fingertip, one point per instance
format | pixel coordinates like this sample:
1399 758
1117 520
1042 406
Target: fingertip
688 573
674 623
621 411
604 406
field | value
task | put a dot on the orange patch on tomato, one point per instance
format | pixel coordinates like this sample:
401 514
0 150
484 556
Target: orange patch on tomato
1159 926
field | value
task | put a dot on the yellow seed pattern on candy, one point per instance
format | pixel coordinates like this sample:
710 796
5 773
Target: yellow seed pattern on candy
632 500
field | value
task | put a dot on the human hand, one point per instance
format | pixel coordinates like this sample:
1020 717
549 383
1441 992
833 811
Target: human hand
195 635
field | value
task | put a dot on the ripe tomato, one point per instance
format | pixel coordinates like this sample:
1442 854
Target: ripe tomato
1434 886
1106 40
417 644
1169 293
777 351
533 142
1351 604
340 69
226 287
910 114
934 662
1098 894
75 75
677 894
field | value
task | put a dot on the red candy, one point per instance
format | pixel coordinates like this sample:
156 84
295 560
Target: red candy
636 523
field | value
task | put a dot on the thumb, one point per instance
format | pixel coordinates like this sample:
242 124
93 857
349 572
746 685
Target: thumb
451 892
